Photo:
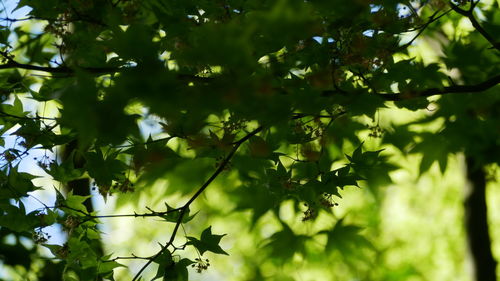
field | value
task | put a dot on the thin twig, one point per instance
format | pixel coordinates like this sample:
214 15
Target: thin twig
422 28
144 143
469 14
185 207
69 72
5 114
332 116
133 257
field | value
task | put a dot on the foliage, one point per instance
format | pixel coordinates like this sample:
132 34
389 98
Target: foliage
275 95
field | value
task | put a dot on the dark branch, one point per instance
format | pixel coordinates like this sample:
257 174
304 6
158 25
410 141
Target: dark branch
89 217
133 257
476 24
185 207
57 70
455 89
332 116
17 20
93 70
5 114
75 18
422 28
165 139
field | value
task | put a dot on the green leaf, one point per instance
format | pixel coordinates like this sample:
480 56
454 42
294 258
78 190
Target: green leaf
208 242
173 216
364 103
82 253
197 77
285 243
16 218
257 198
305 170
75 202
170 270
281 171
433 148
346 238
49 219
179 271
65 171
364 160
340 178
164 261
56 250
259 147
17 185
16 109
107 266
104 169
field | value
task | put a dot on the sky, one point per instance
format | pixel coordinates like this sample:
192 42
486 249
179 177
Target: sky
29 162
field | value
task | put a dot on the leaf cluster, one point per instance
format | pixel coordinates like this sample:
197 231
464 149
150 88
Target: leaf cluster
274 93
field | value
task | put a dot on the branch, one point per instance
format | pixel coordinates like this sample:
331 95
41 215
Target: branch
77 18
166 139
133 257
135 215
332 116
475 23
222 166
455 89
17 20
56 70
423 27
5 114
185 207
93 70
11 63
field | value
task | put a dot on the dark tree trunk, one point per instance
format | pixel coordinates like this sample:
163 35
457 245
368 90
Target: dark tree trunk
82 187
477 223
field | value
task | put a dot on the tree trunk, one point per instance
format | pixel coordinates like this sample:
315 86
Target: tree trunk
477 223
82 187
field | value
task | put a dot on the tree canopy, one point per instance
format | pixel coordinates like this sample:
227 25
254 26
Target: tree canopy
257 104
